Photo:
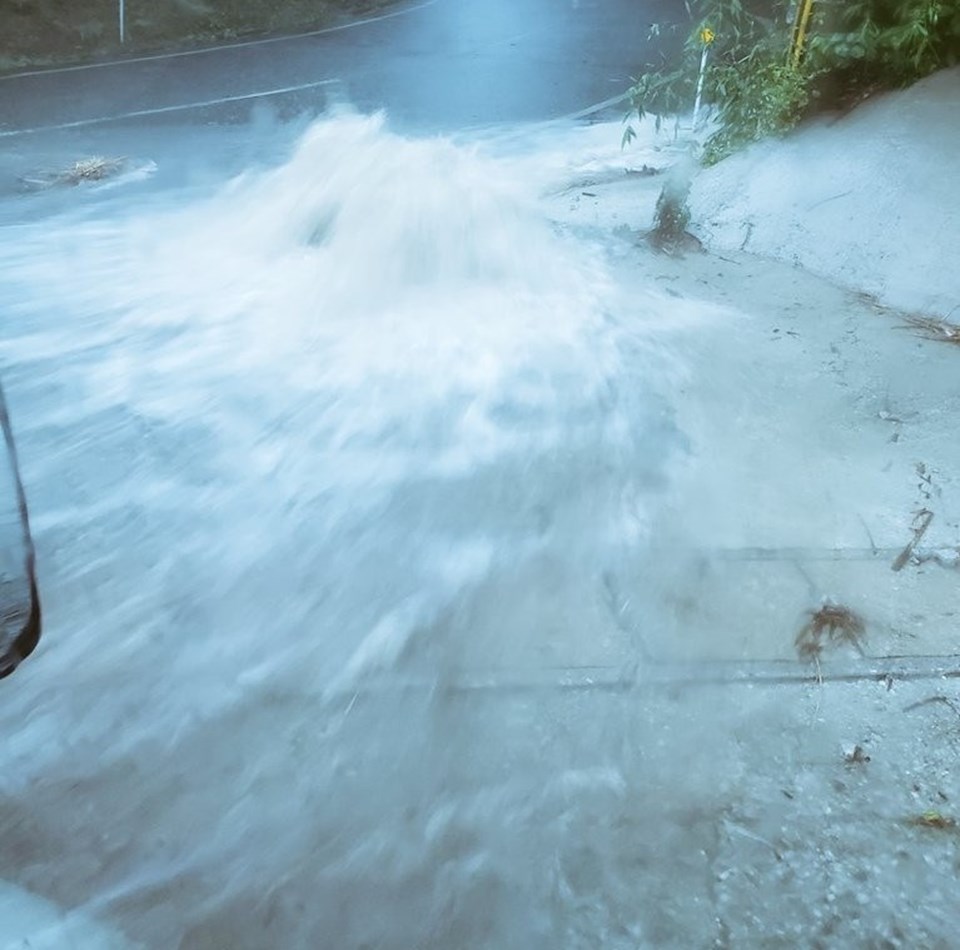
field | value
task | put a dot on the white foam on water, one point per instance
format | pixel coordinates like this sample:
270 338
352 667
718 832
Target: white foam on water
28 921
364 411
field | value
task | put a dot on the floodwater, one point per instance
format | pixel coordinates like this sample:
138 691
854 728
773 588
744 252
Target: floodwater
342 457
304 449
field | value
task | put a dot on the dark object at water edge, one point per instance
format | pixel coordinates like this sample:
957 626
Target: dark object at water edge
20 619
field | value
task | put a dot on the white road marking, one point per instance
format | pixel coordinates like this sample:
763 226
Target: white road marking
519 130
596 107
140 113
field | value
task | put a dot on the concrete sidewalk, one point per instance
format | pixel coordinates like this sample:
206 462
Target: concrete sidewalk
825 431
824 466
869 200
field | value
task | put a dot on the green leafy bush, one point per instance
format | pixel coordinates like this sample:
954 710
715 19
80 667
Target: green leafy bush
757 97
860 45
756 87
748 79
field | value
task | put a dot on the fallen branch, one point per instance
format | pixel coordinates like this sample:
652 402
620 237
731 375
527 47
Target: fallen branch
933 699
930 328
921 523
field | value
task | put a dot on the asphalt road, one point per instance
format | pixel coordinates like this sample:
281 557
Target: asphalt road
439 65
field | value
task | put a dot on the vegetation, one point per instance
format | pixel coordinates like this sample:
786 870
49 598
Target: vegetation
832 625
90 169
758 87
863 44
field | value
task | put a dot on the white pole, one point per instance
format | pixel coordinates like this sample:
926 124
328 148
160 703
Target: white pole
696 103
122 37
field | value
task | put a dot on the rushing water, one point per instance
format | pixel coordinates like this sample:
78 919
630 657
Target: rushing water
360 420
343 458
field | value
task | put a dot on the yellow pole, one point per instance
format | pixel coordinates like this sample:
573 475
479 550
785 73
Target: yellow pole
800 26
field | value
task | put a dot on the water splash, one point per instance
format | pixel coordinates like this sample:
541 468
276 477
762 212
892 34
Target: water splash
364 413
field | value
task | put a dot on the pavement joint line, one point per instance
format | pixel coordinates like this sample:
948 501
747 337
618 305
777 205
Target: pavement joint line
141 113
805 554
652 674
246 44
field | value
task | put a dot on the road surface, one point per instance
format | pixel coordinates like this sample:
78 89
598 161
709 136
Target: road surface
441 64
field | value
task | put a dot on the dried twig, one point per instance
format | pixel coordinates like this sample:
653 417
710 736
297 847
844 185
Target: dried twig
90 169
933 819
930 328
830 626
736 829
933 699
920 524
